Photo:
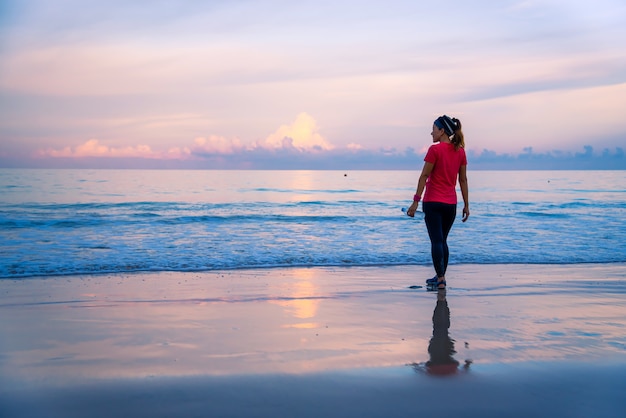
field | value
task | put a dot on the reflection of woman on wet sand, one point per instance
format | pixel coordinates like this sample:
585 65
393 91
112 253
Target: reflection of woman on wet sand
441 347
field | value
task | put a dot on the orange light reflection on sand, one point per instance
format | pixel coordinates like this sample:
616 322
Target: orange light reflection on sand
301 295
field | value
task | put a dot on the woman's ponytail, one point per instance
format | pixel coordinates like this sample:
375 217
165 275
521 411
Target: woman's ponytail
457 139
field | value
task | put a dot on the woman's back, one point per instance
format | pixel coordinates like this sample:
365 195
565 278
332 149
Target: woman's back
441 184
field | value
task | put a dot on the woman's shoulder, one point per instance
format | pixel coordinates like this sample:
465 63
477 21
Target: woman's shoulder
452 147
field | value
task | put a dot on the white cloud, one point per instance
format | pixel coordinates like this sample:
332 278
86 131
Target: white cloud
215 144
93 148
354 147
178 153
302 134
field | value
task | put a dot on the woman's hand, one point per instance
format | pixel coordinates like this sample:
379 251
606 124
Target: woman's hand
411 210
465 213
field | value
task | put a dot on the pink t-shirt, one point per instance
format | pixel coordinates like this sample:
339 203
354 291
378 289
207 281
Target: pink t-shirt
441 184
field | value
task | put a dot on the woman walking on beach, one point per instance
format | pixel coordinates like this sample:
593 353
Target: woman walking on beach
444 162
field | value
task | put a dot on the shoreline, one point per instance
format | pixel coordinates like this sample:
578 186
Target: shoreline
541 337
290 267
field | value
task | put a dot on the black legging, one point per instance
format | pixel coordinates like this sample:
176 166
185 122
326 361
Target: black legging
439 218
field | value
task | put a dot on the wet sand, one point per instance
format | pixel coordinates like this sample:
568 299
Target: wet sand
503 340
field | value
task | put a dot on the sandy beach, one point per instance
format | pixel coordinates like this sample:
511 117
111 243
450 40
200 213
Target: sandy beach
503 340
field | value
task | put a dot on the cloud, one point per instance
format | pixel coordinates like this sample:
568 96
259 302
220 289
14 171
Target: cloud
216 145
302 134
218 153
93 148
178 153
528 159
298 137
354 146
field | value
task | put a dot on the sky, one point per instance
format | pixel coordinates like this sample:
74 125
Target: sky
311 84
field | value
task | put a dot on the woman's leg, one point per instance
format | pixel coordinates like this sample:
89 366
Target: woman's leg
433 219
447 220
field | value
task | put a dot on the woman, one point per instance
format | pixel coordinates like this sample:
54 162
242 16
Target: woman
444 162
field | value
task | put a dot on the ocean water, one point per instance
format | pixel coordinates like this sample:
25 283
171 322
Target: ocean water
74 222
